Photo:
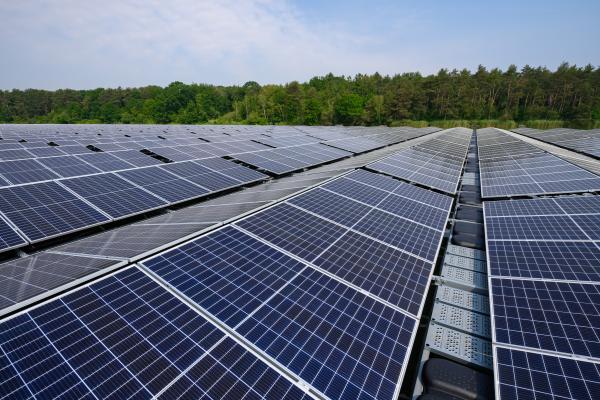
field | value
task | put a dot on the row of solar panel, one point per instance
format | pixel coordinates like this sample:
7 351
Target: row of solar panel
38 276
44 210
582 141
286 297
283 160
511 167
436 163
311 302
544 267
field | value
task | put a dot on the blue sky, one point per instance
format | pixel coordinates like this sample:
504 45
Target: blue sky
86 44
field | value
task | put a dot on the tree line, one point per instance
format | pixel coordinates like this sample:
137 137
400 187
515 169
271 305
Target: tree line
568 96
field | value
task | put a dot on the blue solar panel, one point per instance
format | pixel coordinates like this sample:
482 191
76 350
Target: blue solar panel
413 210
555 316
124 336
590 224
228 273
105 161
525 375
389 274
231 372
8 237
46 209
113 195
522 207
202 176
25 171
579 204
332 206
164 184
579 261
294 230
540 228
340 341
67 166
406 235
357 191
376 180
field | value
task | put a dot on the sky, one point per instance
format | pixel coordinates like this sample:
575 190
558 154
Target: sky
49 44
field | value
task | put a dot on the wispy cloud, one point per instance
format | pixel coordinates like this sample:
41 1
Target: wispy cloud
83 44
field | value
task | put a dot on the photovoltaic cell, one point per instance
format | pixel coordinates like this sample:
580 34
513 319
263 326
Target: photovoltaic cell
164 184
331 206
113 195
344 343
124 336
528 375
35 275
406 235
540 228
46 209
357 191
554 316
231 372
579 261
25 171
294 230
389 274
228 273
8 237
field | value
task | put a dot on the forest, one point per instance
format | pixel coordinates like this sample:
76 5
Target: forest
532 96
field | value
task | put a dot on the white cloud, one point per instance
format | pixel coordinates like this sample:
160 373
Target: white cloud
113 42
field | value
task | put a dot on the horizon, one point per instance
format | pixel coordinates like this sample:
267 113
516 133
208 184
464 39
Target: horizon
126 44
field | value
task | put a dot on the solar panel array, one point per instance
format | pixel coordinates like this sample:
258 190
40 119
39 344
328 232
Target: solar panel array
581 141
437 163
511 167
90 175
133 242
327 284
229 314
544 268
319 295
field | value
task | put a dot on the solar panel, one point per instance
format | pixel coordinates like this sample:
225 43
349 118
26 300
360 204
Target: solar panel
406 235
527 375
68 166
164 184
394 276
25 171
510 167
555 316
132 241
201 175
294 230
340 341
550 227
44 210
37 275
357 191
9 238
137 158
113 195
105 161
228 273
578 261
331 206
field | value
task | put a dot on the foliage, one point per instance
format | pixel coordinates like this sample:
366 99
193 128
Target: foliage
536 97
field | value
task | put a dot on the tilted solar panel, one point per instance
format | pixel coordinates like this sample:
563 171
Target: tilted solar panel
113 195
164 184
44 210
228 273
126 336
